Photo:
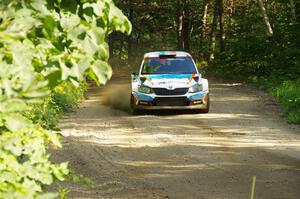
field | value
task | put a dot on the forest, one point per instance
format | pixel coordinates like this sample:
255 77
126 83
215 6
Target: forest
250 40
49 48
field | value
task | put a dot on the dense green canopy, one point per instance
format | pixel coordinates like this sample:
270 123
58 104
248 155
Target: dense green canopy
252 40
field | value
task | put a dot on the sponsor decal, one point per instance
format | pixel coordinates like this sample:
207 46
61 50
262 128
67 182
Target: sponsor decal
170 76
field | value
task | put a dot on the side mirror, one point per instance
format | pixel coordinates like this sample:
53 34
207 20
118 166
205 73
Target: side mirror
202 72
134 75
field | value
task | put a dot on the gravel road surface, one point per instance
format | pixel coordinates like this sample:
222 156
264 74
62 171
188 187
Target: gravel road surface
181 155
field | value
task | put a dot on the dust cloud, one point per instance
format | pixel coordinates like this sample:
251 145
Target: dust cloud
117 96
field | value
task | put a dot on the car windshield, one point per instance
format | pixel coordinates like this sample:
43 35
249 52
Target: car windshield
178 65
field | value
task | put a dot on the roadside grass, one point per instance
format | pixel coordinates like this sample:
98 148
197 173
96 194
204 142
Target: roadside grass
64 97
286 92
285 89
288 95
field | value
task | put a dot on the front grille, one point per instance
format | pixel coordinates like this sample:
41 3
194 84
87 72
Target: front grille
164 91
170 101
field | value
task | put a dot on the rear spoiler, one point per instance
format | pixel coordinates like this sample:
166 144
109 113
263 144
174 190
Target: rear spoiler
166 54
163 56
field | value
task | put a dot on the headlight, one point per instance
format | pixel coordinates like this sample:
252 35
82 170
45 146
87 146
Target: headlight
196 88
145 89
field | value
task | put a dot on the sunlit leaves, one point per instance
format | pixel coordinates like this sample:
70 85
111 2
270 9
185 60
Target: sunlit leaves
69 21
15 122
25 163
117 21
43 43
13 105
102 71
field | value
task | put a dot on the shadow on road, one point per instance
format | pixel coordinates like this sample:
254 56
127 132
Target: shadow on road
176 154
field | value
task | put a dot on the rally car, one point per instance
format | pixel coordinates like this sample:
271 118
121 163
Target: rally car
169 80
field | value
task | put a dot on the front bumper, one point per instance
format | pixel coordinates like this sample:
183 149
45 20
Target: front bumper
191 107
158 102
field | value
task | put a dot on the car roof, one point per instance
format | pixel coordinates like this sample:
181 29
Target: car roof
166 53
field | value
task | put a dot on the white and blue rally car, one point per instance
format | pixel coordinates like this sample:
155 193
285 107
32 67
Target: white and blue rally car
169 80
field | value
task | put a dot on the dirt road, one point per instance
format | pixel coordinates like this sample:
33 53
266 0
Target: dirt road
181 155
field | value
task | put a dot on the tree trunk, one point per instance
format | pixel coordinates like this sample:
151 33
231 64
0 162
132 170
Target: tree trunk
179 25
213 32
221 23
129 39
186 32
183 26
230 10
180 30
297 10
203 28
265 16
293 9
111 45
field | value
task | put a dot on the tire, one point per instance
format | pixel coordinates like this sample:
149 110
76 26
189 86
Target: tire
206 110
133 109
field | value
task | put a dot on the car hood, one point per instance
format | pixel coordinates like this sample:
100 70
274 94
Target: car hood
170 81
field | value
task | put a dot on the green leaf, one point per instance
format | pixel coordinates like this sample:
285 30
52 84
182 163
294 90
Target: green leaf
53 137
119 21
8 176
97 7
49 24
14 145
90 45
16 122
40 6
69 21
102 71
13 105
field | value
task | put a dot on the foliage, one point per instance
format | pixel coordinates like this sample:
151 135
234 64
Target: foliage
65 95
73 177
42 44
250 52
288 94
63 193
25 164
271 61
153 28
62 99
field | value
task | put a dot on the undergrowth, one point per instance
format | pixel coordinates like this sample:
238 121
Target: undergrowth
286 92
64 97
288 95
284 87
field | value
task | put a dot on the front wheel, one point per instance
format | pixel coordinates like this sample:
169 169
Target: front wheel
206 110
133 108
